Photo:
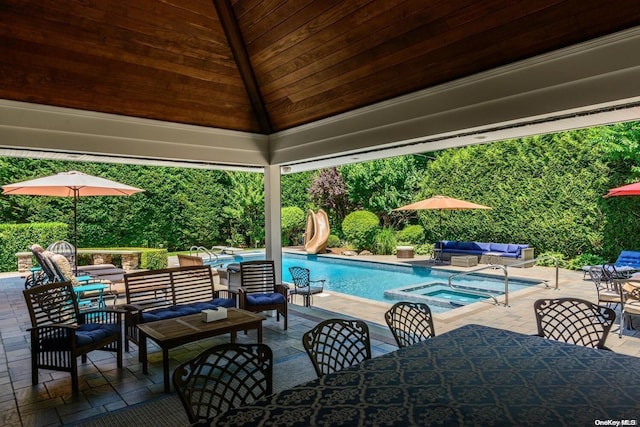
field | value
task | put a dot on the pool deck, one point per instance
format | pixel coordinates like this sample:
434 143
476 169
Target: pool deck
518 316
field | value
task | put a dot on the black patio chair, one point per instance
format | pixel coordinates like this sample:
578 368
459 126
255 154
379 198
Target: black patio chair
410 322
224 377
304 285
336 344
574 321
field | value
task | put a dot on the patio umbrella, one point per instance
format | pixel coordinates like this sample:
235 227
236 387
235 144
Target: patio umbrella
441 203
70 184
625 190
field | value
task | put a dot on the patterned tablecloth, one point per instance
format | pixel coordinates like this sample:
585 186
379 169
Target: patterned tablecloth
474 375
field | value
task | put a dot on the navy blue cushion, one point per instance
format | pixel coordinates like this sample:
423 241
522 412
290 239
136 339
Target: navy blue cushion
467 246
169 312
449 244
265 299
86 334
483 247
214 303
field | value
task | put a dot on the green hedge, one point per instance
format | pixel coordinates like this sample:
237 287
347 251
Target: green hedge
360 229
16 238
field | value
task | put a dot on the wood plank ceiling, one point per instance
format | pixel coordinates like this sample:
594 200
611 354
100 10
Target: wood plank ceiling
268 65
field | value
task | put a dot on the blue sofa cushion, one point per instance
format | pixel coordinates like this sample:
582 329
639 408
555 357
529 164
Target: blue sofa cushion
467 246
498 247
449 244
481 246
169 312
628 259
214 303
85 334
265 299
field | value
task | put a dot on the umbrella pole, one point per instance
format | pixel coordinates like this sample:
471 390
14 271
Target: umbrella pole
75 231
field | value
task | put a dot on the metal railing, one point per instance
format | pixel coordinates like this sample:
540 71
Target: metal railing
197 250
504 269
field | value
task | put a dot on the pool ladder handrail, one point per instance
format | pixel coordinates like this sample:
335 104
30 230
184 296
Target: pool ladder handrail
504 269
213 257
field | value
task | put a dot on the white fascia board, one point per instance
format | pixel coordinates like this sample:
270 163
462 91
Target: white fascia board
574 80
25 126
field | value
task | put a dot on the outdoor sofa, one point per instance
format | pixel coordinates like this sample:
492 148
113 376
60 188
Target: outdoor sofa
169 293
487 252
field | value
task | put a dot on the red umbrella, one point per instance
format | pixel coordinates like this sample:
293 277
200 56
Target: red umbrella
625 190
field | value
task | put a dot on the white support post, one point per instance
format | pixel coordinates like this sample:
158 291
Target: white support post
273 221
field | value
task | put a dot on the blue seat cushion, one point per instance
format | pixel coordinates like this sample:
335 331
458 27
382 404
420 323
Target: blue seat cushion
265 299
185 309
466 246
628 259
86 334
499 247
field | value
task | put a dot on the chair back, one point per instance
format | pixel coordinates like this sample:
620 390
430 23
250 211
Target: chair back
224 377
336 344
410 322
301 276
44 261
188 260
574 321
258 277
609 289
52 303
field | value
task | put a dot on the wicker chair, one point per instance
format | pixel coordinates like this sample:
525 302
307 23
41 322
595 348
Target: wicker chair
258 289
224 377
410 322
574 321
304 285
60 332
336 344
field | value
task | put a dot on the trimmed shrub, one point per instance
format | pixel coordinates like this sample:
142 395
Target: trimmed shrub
386 242
426 249
333 241
293 223
152 259
413 234
585 259
550 262
360 229
16 238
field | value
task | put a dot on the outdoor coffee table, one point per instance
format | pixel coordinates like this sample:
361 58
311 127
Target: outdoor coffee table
170 333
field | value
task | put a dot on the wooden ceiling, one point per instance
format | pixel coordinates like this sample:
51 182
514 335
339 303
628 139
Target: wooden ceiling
263 66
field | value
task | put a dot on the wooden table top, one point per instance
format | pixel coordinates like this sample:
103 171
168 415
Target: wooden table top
184 326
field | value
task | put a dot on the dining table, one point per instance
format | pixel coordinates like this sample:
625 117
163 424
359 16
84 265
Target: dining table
472 375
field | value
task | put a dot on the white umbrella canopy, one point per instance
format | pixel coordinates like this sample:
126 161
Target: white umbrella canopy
70 184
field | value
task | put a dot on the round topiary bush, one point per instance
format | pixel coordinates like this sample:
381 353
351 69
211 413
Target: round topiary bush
411 234
333 241
293 223
360 229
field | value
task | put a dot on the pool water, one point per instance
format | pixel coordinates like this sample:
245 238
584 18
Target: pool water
390 282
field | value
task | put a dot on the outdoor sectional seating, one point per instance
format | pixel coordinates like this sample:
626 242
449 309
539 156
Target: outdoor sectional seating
168 293
488 253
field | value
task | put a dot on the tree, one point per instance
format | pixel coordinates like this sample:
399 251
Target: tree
328 191
244 211
382 185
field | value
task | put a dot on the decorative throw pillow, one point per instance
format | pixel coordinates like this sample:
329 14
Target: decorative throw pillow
65 269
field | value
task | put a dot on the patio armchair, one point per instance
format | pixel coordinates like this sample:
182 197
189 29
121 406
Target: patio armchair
303 285
258 289
336 344
223 377
631 308
574 321
60 333
609 289
410 322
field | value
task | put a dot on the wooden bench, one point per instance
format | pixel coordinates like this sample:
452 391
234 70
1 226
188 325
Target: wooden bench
171 292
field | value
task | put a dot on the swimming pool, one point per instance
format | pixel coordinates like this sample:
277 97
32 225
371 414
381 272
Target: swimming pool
390 282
